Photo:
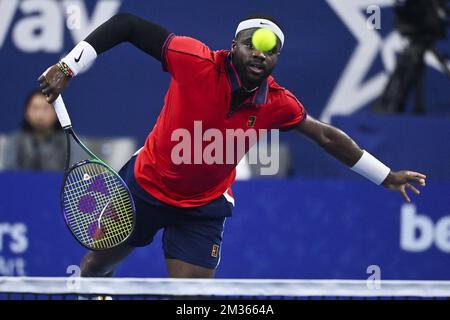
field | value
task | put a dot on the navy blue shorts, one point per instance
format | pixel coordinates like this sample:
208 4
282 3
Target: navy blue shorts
192 235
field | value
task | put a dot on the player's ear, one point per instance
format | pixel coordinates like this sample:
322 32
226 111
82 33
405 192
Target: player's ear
233 45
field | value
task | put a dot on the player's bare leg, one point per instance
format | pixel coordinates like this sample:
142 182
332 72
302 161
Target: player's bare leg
181 269
103 263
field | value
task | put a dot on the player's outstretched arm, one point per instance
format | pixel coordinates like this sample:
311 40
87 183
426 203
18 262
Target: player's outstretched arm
342 147
145 35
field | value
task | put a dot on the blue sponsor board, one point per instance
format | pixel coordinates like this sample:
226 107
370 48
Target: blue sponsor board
279 229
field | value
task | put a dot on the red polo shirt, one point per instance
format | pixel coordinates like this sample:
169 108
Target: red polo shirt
199 95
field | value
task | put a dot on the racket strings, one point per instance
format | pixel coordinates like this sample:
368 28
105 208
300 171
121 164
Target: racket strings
97 206
97 222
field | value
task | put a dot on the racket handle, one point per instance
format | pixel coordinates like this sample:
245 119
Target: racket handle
61 112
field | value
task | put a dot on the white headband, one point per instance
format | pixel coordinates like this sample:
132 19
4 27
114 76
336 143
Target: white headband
261 23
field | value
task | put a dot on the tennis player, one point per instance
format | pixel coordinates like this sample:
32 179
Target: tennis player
222 89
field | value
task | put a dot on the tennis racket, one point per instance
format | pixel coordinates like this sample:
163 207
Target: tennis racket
96 203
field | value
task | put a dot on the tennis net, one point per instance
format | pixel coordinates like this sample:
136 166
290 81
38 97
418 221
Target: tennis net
44 288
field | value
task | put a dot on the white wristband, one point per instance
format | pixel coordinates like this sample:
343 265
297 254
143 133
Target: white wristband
80 57
371 168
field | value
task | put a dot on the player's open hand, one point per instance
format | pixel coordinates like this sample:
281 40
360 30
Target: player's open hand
52 82
402 180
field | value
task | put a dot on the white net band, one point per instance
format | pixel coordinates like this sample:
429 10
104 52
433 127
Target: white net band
224 287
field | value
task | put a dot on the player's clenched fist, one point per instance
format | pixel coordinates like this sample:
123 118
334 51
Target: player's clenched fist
52 82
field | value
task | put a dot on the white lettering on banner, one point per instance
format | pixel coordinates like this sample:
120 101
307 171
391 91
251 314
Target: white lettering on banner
411 222
7 10
12 267
15 235
42 27
42 32
19 238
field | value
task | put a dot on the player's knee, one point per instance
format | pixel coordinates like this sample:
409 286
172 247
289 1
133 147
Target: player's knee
206 273
93 266
180 269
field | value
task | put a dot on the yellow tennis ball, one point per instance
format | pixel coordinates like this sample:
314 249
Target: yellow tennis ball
264 40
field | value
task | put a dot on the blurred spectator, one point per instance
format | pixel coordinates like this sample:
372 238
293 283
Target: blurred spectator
40 143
